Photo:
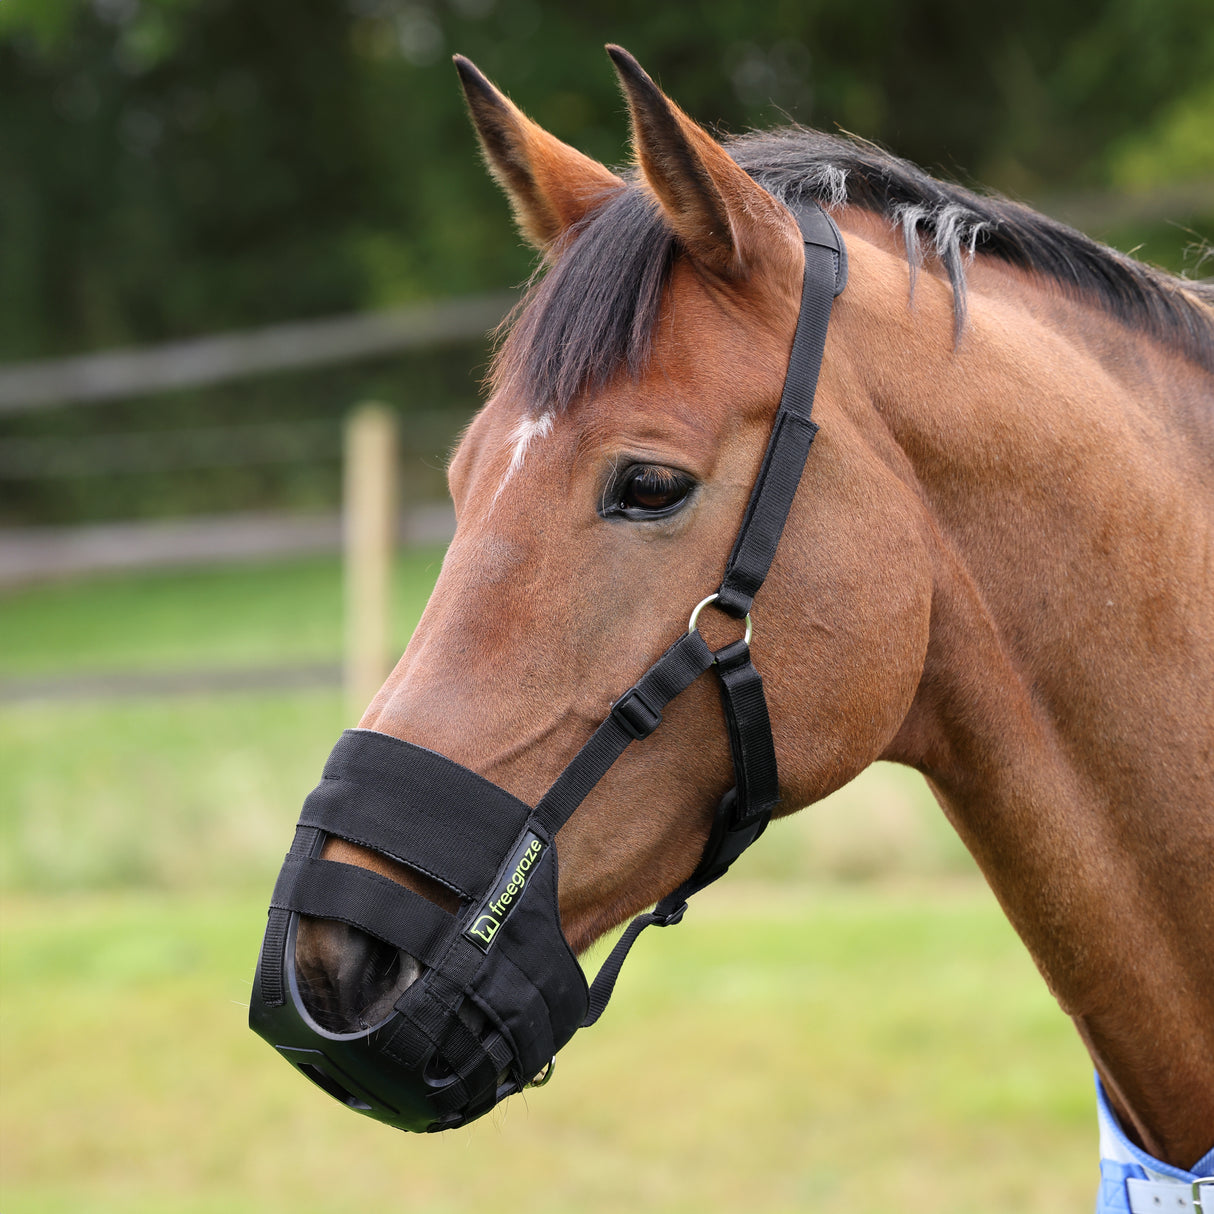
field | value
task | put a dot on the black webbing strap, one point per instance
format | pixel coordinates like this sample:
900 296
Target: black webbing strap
379 906
636 714
609 971
269 965
792 433
750 740
740 818
418 807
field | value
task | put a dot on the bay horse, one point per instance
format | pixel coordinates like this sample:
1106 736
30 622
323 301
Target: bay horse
998 568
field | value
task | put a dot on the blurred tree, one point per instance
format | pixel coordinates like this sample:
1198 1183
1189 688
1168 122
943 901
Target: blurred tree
173 167
176 166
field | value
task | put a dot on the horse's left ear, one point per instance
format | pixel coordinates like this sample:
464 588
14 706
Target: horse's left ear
550 185
721 217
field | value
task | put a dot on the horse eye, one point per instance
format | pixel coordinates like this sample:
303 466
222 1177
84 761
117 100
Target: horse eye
648 491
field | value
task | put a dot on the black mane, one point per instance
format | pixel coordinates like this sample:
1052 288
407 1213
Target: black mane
594 311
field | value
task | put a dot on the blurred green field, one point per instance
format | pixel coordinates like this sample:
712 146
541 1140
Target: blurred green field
845 1024
835 1049
170 791
237 615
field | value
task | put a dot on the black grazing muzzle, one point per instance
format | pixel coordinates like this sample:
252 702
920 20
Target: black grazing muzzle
499 990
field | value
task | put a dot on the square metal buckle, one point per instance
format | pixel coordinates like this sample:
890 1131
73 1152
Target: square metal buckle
1202 1182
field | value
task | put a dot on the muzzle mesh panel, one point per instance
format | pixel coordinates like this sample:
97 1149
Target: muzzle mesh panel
536 987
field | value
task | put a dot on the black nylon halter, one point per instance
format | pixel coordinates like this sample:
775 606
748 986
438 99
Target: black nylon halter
527 996
743 813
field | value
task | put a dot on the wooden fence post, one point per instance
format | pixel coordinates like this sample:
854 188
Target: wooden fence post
369 527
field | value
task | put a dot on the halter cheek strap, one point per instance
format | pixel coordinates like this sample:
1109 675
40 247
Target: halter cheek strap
793 430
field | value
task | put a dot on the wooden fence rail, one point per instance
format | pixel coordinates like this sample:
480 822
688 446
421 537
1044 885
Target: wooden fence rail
91 378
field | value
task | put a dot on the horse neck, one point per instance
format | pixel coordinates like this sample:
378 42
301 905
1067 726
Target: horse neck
1065 717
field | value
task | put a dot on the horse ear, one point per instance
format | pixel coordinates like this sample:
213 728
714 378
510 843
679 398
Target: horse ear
550 185
719 214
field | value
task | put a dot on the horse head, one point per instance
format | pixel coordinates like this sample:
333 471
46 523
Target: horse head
959 586
597 496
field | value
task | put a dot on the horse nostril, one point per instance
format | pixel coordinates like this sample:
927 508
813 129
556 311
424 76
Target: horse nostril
348 980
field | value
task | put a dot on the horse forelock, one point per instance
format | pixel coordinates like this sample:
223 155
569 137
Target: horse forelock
593 310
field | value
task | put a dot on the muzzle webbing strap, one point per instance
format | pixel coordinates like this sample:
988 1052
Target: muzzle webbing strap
348 893
363 788
269 984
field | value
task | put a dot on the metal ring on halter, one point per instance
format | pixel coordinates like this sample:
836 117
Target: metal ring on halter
712 598
543 1075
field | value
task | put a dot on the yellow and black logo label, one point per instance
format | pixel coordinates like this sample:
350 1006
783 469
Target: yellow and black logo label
492 913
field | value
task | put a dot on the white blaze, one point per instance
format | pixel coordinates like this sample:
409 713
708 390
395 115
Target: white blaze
526 432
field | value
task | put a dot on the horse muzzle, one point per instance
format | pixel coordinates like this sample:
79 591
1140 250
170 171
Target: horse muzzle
498 990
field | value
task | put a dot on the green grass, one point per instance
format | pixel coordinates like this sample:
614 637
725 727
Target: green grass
189 792
181 791
831 1050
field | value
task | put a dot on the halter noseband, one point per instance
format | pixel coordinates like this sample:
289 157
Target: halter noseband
500 991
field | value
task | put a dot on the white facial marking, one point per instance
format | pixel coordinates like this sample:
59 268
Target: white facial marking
525 432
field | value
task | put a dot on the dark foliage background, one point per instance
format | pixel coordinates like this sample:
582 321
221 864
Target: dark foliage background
177 167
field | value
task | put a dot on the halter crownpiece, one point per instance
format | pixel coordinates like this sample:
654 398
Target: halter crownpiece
500 991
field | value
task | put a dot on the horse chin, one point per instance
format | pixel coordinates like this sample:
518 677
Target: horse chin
349 981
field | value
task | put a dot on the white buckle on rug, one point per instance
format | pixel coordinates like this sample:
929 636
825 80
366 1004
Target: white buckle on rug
1171 1196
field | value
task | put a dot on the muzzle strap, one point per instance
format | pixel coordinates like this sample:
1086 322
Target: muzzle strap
351 894
268 981
418 808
